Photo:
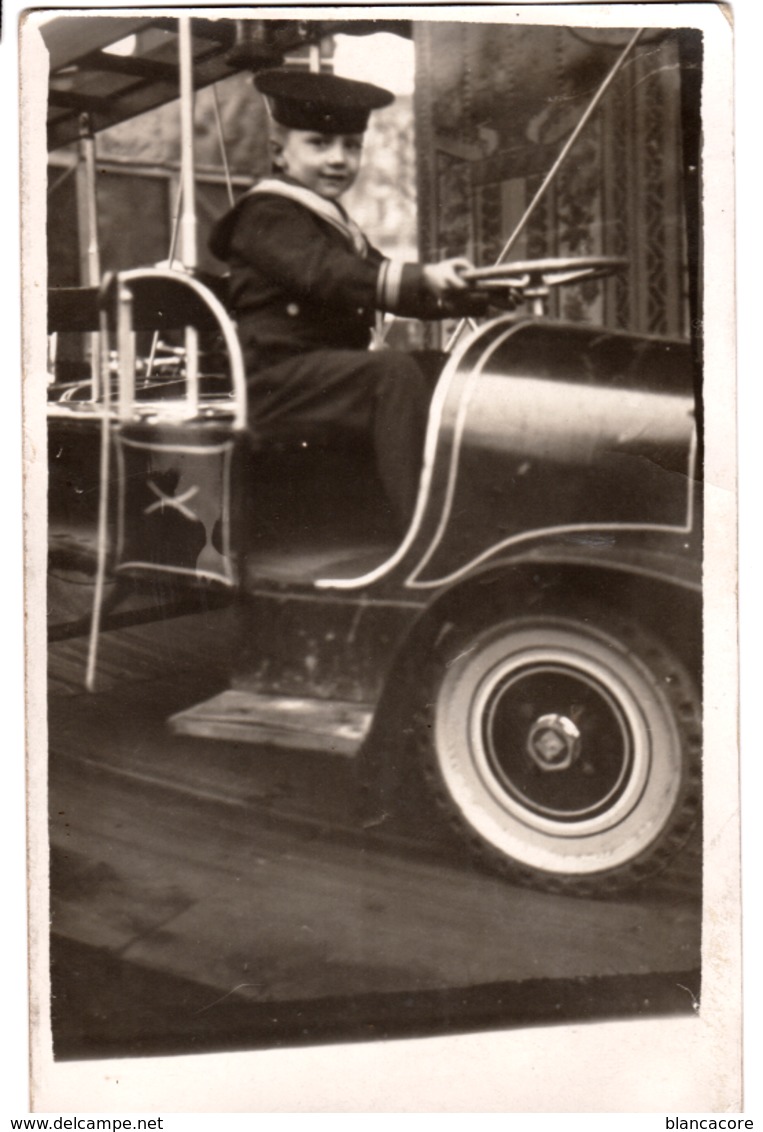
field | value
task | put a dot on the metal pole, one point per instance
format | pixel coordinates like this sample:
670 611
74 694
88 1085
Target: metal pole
126 351
189 252
103 505
87 220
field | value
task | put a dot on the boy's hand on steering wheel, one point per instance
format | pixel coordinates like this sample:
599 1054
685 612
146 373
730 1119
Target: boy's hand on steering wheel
443 278
507 300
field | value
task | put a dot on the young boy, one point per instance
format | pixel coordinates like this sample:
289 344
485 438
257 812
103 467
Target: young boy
306 286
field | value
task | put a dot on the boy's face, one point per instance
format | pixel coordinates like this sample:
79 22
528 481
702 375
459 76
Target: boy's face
326 163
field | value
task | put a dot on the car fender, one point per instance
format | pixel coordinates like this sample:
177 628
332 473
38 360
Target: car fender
563 434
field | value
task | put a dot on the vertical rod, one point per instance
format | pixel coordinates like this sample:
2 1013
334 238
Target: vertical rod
87 220
125 352
103 504
189 251
188 218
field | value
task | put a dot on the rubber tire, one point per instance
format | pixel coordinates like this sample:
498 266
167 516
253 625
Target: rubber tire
652 692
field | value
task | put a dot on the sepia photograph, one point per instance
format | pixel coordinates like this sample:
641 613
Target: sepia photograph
375 601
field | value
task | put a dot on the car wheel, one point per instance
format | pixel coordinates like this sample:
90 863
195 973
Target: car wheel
565 753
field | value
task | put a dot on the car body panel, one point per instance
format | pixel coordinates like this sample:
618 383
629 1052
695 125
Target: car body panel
542 431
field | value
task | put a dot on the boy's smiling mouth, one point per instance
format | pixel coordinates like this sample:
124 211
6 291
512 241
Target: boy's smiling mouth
334 183
326 163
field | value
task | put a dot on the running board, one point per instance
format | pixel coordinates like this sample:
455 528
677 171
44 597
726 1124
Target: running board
333 726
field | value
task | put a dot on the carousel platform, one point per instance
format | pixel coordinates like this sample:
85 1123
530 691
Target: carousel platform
213 895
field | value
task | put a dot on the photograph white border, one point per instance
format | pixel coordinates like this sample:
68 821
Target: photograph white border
671 1065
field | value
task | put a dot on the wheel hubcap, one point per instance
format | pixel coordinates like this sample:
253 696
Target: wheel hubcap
553 742
557 741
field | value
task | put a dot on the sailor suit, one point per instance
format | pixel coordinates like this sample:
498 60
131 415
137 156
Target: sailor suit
305 288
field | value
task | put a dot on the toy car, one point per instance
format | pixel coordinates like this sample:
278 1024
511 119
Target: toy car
529 652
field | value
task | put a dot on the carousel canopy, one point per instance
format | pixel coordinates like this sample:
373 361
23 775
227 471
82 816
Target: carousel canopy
111 68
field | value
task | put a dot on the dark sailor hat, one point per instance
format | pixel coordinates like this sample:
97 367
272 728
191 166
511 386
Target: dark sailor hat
309 100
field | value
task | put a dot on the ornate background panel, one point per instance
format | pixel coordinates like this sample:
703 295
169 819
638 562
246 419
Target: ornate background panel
494 106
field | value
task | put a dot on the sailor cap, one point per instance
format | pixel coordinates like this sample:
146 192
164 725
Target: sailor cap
310 100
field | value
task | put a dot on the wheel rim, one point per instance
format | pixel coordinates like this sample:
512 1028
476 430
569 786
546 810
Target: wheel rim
558 745
568 681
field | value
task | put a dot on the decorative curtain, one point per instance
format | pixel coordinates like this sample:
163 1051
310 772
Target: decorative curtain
494 106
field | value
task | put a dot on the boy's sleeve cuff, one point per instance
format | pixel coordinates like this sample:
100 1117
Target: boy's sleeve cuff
399 287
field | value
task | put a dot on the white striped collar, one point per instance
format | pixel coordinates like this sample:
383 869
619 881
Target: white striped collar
326 209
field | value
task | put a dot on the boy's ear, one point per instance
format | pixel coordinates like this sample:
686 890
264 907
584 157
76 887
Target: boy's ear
276 155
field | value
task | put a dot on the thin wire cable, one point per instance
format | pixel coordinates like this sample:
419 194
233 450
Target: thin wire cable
551 175
175 225
60 179
223 151
173 246
176 220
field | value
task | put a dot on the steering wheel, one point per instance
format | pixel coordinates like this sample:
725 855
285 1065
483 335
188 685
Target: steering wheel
533 278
